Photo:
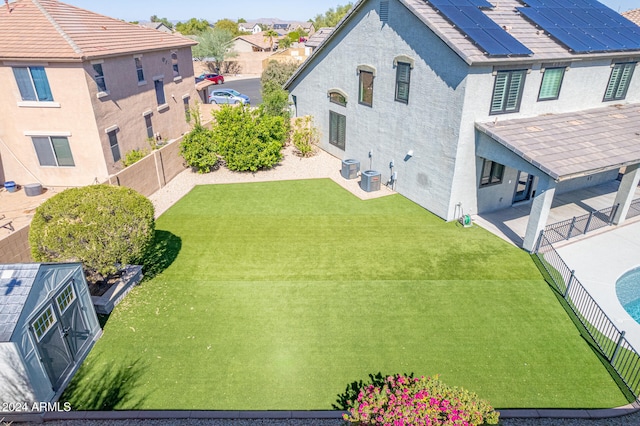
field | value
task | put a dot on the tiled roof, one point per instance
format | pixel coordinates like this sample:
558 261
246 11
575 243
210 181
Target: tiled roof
632 15
15 285
318 37
257 39
572 144
52 30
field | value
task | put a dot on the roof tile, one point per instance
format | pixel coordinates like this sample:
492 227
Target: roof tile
52 30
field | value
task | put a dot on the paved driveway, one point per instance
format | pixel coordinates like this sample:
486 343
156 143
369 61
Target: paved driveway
599 261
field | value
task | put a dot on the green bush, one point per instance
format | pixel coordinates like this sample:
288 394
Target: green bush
249 140
304 135
405 400
134 156
199 149
101 226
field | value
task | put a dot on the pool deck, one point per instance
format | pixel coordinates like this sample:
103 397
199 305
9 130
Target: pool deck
599 261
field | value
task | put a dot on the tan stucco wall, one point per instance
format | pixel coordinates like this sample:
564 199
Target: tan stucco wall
78 112
128 101
71 113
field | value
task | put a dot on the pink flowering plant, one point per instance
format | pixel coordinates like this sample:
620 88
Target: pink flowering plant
402 400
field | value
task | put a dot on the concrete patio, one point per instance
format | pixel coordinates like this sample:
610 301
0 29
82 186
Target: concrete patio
510 224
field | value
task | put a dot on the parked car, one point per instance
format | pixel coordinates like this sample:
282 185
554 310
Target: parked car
228 96
216 78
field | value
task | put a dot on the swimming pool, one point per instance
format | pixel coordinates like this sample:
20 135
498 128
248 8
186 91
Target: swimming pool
628 292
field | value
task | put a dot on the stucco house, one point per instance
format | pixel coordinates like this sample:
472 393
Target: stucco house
81 90
254 43
479 105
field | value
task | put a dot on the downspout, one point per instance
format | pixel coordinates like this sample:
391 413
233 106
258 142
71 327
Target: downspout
20 162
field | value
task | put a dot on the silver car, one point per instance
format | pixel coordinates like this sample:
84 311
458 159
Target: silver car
228 96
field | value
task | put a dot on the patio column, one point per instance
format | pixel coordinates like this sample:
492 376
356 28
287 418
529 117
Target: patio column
625 193
539 214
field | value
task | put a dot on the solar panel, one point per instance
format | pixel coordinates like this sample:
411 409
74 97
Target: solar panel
467 16
583 26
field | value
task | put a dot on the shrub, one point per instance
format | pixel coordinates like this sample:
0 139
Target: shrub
199 149
99 225
405 400
304 135
276 74
133 157
248 139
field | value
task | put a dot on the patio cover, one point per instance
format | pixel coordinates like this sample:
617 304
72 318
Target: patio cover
569 145
203 85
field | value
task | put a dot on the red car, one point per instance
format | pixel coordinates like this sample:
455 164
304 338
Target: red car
216 78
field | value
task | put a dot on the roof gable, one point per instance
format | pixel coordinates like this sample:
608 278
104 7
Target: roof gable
52 30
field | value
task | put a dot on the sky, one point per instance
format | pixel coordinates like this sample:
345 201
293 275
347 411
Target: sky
183 10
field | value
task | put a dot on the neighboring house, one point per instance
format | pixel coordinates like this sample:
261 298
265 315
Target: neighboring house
47 327
475 106
318 37
253 43
278 25
632 15
292 54
249 27
81 90
160 26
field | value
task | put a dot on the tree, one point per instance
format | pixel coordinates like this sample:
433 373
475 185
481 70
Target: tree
193 26
198 147
228 25
242 21
331 17
270 35
102 226
249 140
214 43
276 74
285 42
154 18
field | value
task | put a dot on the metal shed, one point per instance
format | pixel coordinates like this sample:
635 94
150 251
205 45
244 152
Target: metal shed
47 327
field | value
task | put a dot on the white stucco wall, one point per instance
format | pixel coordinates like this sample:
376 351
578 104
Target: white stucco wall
428 125
446 98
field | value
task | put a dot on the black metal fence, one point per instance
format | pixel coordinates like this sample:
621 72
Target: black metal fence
611 342
580 225
634 209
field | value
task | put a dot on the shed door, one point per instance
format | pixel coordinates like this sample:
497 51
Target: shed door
54 352
75 329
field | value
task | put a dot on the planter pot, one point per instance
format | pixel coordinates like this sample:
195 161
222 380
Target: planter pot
104 304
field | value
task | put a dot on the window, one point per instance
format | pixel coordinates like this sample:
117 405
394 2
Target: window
365 96
187 109
159 85
619 81
492 173
174 64
507 91
65 298
33 84
337 98
149 125
551 82
384 11
403 76
139 70
337 129
113 144
98 76
53 151
43 323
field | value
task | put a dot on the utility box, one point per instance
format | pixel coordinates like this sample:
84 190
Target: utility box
350 168
370 180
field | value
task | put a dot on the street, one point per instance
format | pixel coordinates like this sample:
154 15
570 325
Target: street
249 87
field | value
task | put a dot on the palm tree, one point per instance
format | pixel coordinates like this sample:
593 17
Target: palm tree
270 35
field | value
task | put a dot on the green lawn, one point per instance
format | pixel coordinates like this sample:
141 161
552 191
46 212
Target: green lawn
282 293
